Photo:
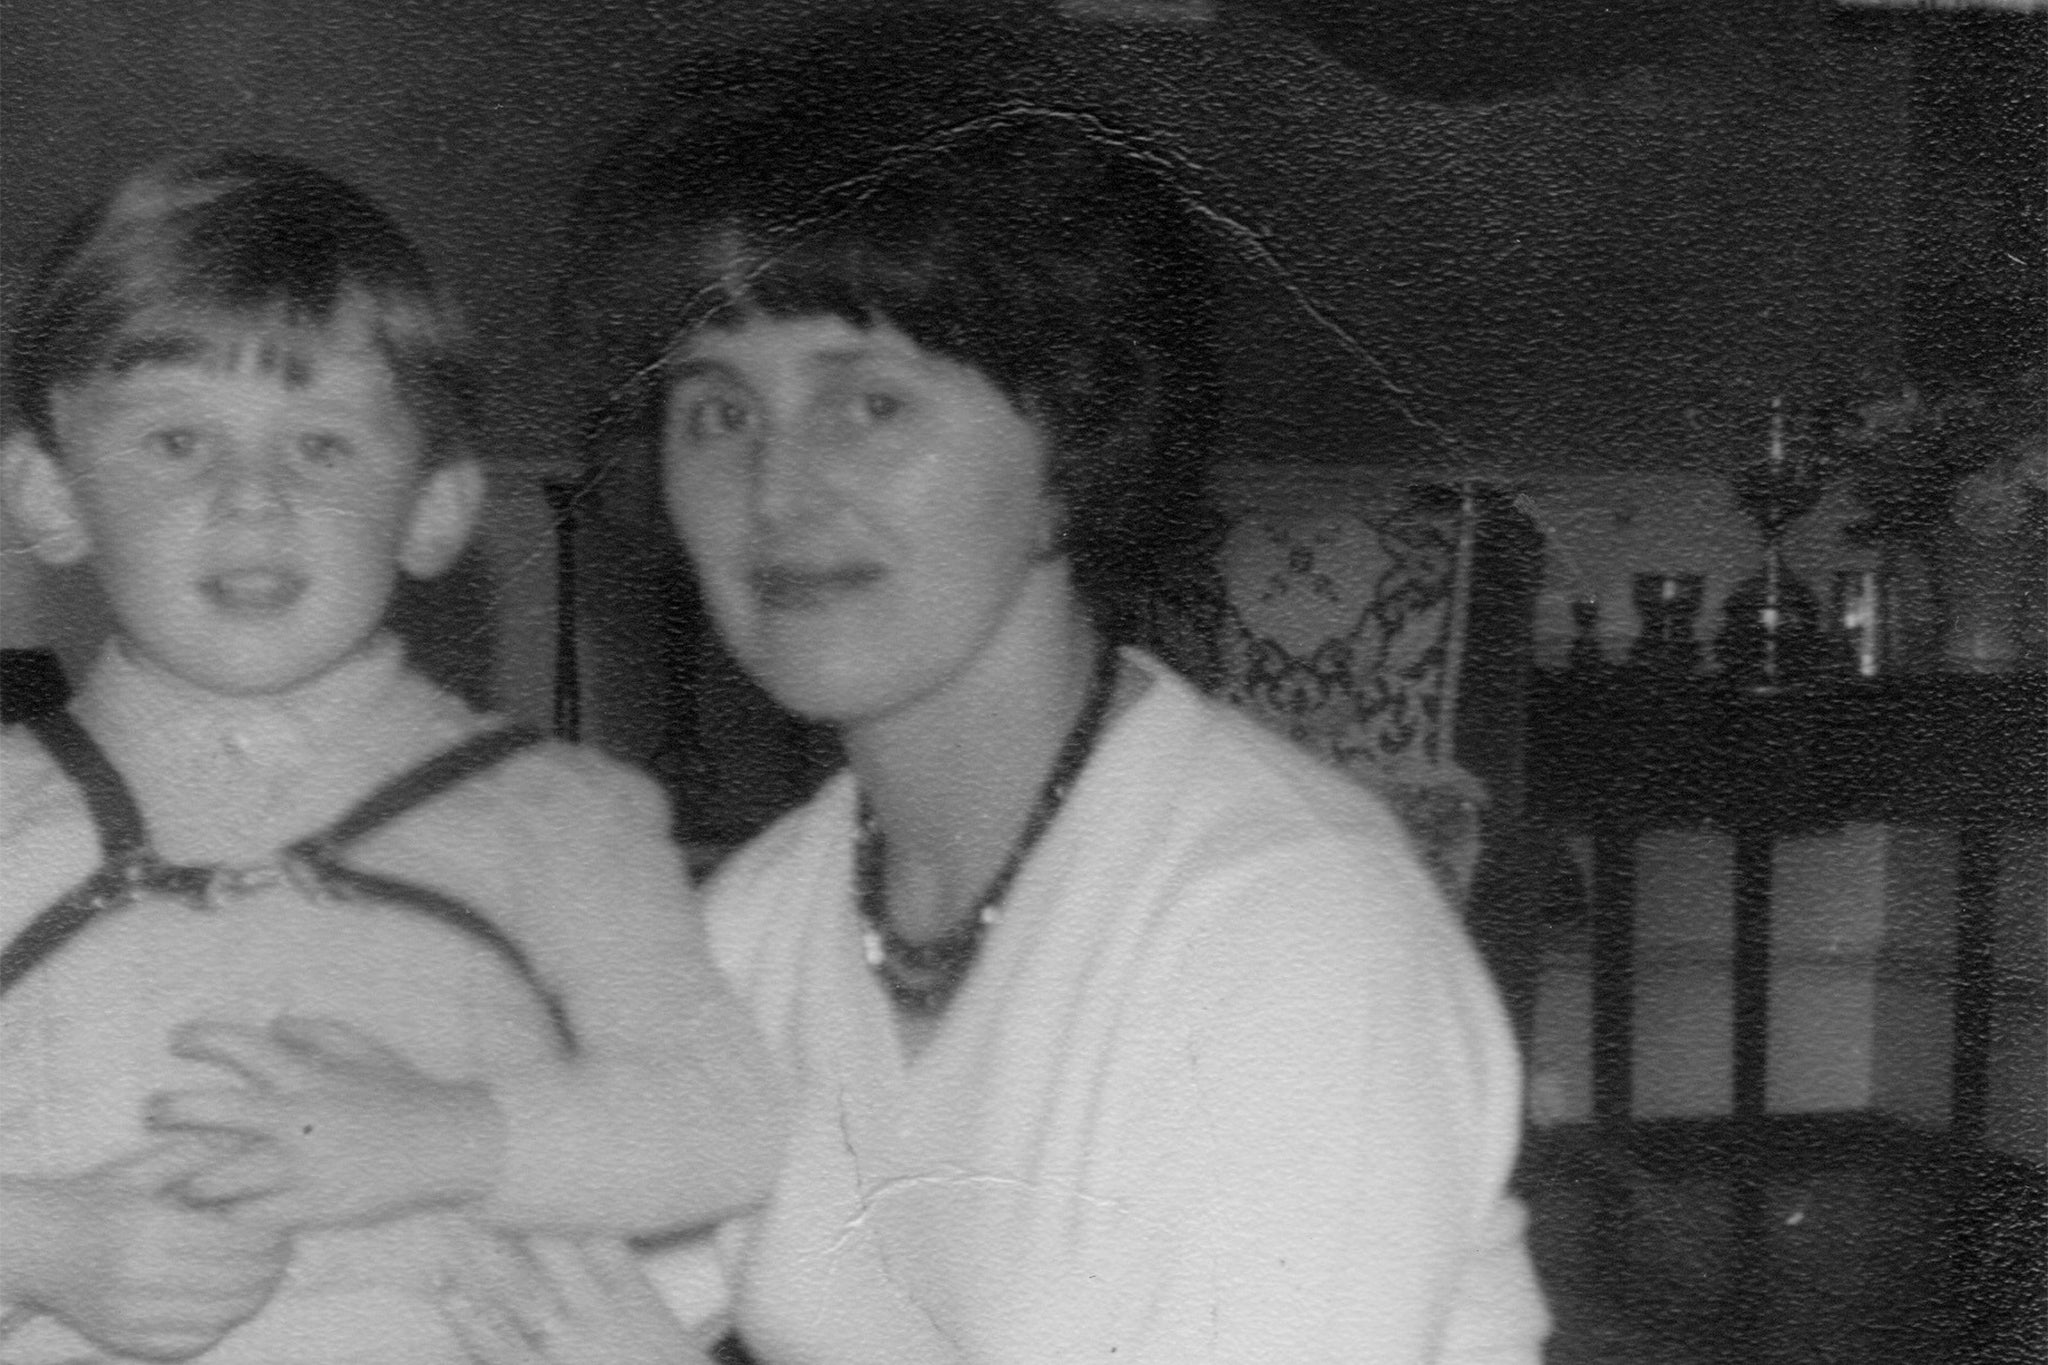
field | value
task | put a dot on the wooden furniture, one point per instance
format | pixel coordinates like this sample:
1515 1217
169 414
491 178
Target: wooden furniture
1623 752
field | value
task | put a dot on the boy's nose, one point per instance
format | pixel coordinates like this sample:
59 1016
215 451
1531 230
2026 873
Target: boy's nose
252 482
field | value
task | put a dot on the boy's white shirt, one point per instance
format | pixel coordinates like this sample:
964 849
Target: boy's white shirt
567 854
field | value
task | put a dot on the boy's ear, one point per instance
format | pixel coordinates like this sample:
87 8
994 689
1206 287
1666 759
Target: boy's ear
40 501
444 512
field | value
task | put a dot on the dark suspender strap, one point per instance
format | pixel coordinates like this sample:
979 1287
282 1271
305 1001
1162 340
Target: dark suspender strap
423 783
56 926
321 854
130 865
341 880
127 863
114 812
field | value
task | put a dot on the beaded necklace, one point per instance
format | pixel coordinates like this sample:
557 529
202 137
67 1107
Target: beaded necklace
922 977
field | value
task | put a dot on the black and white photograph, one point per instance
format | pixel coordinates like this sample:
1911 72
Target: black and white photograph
1017 682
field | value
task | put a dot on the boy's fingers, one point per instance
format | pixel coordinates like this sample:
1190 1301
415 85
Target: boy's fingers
500 1272
261 1171
461 1240
222 1111
616 1264
605 1266
328 1039
223 1251
486 1334
280 1214
165 1163
250 1053
572 1268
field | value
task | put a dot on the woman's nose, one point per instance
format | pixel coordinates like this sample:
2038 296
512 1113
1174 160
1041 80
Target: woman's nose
790 475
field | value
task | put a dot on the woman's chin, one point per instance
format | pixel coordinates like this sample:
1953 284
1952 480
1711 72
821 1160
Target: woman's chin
821 696
838 692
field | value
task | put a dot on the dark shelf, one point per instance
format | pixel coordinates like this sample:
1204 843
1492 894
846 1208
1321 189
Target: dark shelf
1631 750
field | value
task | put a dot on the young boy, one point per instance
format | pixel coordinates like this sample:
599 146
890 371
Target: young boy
299 957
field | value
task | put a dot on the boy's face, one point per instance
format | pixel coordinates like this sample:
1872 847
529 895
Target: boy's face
248 530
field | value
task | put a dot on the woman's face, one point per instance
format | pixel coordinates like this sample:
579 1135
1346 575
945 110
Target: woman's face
865 516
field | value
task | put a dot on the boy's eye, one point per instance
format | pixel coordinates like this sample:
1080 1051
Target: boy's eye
324 448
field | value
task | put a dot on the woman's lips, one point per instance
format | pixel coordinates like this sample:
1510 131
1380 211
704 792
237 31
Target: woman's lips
788 588
255 591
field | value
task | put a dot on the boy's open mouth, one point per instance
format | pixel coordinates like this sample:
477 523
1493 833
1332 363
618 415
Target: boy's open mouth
255 590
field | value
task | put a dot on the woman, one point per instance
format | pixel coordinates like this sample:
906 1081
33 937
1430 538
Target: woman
1121 1029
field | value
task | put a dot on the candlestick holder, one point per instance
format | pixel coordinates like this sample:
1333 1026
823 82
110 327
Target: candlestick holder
1771 636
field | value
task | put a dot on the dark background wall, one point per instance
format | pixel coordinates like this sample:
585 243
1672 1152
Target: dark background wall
1572 240
1482 237
471 119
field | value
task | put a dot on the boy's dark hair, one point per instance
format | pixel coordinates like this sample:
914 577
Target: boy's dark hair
892 173
227 248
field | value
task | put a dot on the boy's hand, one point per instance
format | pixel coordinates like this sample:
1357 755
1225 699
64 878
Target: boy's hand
346 1132
112 1255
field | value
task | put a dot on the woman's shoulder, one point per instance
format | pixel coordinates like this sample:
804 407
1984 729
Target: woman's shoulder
1243 860
1222 825
1202 760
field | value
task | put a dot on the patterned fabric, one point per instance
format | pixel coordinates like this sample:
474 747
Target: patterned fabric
1344 630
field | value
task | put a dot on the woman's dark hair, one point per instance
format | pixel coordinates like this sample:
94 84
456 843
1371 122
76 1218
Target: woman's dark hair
203 251
898 173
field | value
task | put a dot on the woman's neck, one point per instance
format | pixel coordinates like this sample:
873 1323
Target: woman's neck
952 780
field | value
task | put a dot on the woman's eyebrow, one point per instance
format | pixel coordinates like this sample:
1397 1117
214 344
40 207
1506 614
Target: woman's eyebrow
857 354
837 359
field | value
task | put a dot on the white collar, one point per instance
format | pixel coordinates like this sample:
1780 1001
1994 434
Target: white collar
132 705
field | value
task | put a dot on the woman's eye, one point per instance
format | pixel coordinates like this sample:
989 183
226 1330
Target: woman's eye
175 443
324 449
714 418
